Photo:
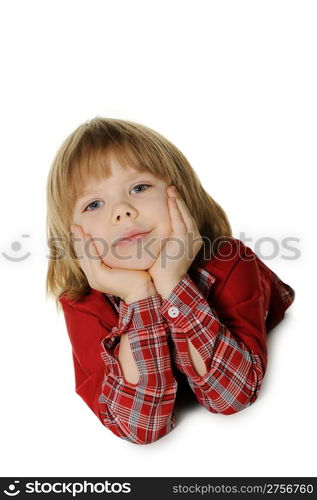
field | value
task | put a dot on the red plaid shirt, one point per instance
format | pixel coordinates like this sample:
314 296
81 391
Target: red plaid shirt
226 308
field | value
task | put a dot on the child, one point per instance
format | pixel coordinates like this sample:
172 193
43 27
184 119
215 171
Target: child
181 300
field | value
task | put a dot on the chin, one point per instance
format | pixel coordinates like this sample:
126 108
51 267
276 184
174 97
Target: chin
138 264
133 263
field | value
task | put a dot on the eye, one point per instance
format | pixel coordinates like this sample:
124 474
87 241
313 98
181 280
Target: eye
148 185
92 206
87 209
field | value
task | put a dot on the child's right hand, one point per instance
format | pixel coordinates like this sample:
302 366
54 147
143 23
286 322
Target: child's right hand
119 282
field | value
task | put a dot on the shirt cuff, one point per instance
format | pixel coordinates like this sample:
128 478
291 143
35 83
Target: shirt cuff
145 326
189 315
138 315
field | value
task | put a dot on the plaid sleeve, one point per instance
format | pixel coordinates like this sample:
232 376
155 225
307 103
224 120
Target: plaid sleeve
234 372
142 412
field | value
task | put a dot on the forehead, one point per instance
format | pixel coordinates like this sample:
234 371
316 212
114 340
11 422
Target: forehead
98 168
125 174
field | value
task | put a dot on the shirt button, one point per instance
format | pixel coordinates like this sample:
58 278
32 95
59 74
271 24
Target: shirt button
173 312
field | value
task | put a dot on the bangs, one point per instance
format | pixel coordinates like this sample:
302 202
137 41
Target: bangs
94 164
86 155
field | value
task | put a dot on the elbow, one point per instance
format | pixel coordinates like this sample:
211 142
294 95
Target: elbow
146 429
143 419
245 399
227 402
250 392
236 406
145 435
149 437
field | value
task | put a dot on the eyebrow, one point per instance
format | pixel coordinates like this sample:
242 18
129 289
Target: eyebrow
129 179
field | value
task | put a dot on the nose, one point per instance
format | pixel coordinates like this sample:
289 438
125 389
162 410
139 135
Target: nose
123 211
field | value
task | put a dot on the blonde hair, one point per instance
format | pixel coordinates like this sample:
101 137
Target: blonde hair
83 155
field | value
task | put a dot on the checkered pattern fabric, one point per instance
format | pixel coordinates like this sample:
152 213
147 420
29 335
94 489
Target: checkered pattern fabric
224 308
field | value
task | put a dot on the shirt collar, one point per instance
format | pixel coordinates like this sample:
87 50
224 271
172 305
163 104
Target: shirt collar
114 299
203 279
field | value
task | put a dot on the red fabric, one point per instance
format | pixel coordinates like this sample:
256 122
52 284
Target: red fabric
225 308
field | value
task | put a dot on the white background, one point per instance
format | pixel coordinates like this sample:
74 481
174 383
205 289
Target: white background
233 85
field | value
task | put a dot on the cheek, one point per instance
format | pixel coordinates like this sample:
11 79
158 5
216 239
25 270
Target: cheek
98 232
161 213
102 246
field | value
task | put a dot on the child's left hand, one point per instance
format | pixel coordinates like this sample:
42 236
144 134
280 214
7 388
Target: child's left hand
180 249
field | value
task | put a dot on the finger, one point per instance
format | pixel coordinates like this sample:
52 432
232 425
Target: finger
191 225
77 239
178 224
78 243
196 243
189 221
84 250
92 260
187 217
90 248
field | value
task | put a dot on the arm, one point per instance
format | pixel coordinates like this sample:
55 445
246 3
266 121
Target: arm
226 361
195 358
141 412
125 355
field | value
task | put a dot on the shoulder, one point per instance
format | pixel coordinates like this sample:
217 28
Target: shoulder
234 264
229 253
94 303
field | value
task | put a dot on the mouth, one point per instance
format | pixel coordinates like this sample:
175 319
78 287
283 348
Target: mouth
133 239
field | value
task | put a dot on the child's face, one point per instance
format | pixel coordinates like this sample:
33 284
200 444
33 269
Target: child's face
121 203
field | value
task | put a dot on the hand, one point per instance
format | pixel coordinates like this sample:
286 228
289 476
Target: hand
184 242
122 283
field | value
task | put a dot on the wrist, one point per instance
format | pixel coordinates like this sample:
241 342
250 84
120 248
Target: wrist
165 288
147 290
